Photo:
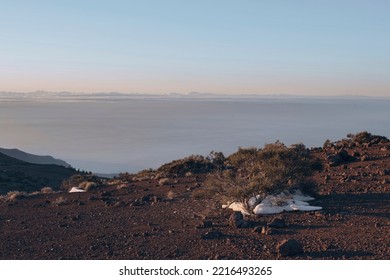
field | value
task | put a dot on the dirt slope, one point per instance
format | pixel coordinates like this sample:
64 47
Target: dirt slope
147 220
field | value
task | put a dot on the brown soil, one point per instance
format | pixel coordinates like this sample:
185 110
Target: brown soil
145 220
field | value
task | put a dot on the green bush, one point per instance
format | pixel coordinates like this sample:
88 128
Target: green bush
271 170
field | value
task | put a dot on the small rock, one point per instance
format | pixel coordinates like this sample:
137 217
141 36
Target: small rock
326 178
237 220
105 193
277 223
258 229
212 235
136 203
289 247
334 160
146 198
365 158
207 223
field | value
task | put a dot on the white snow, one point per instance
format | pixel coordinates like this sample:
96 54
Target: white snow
237 206
74 190
274 204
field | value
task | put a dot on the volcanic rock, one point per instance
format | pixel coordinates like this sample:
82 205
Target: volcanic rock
277 223
290 247
237 220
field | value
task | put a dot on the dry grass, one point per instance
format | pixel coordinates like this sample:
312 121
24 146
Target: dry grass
171 195
14 195
60 201
88 186
164 181
47 190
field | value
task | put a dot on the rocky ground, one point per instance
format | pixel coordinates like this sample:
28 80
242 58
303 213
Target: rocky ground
153 219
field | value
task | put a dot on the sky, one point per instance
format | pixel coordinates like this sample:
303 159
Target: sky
302 47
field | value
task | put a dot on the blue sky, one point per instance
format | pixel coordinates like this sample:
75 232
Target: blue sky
231 47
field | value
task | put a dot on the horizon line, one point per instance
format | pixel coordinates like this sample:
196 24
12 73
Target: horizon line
188 94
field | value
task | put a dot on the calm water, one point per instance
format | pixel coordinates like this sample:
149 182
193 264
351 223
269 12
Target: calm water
129 135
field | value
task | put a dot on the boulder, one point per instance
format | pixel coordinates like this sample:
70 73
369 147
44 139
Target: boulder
334 160
290 247
237 220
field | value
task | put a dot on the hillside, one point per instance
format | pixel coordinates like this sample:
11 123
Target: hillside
21 155
17 175
150 216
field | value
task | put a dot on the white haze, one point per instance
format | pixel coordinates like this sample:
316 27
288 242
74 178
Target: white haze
130 134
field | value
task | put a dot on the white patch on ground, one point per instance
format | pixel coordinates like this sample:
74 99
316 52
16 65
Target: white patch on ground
237 206
274 204
74 190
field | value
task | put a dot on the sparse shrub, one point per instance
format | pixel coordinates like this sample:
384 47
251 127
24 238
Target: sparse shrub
171 195
14 195
144 175
164 181
203 193
88 186
122 186
78 180
259 172
178 168
60 201
217 159
366 137
47 190
125 177
327 144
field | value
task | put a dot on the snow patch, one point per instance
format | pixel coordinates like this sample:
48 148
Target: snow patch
237 206
74 190
274 204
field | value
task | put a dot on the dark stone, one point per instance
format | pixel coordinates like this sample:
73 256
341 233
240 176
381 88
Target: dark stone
277 223
212 235
365 158
207 223
148 197
272 231
237 220
105 193
289 247
136 203
334 160
258 229
346 156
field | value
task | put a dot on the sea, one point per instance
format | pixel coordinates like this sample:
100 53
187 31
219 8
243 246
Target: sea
130 134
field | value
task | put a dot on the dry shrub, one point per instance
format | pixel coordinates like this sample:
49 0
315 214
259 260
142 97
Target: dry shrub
204 193
171 195
270 170
79 179
164 181
122 186
196 164
60 201
88 186
14 195
47 190
125 177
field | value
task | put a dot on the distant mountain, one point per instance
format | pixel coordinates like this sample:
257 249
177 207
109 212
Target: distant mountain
17 175
18 154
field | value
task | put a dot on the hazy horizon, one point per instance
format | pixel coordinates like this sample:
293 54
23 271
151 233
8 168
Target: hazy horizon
110 136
